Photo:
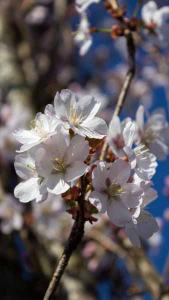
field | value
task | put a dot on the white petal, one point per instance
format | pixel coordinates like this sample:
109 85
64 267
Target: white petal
57 144
99 176
43 162
119 172
118 213
94 128
140 117
129 133
26 136
115 127
76 170
132 234
57 185
24 166
78 150
146 225
131 195
28 190
89 106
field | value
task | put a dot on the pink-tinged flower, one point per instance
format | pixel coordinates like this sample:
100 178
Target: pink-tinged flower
120 135
157 18
121 138
141 228
82 5
42 128
61 161
112 192
83 36
154 134
78 113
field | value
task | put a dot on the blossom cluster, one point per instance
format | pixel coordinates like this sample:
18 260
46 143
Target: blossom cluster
59 150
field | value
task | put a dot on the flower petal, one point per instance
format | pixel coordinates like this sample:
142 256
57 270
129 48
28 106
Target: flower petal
94 128
78 150
57 185
118 213
119 172
28 190
75 170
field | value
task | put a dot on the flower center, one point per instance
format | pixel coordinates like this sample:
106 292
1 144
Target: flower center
114 190
38 127
74 117
58 166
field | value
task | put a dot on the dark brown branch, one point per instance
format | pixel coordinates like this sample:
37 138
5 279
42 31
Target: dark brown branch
127 82
71 245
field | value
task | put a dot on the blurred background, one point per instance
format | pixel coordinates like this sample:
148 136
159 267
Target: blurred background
38 57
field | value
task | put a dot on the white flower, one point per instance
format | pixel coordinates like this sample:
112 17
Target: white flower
10 214
143 228
83 36
78 113
82 5
42 128
158 18
154 134
120 135
113 194
33 185
61 161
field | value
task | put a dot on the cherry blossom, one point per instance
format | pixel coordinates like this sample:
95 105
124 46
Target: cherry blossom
120 135
154 134
43 127
112 192
78 113
61 161
157 18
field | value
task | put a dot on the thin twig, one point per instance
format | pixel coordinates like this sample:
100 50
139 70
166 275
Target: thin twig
71 245
114 4
127 82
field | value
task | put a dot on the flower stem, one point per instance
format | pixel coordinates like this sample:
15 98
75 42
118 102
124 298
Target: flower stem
126 85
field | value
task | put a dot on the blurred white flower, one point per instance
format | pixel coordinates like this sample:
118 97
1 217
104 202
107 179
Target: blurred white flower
82 5
112 192
10 215
78 113
83 36
157 18
154 134
42 128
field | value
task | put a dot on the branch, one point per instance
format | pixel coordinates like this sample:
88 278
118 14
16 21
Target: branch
74 239
127 82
